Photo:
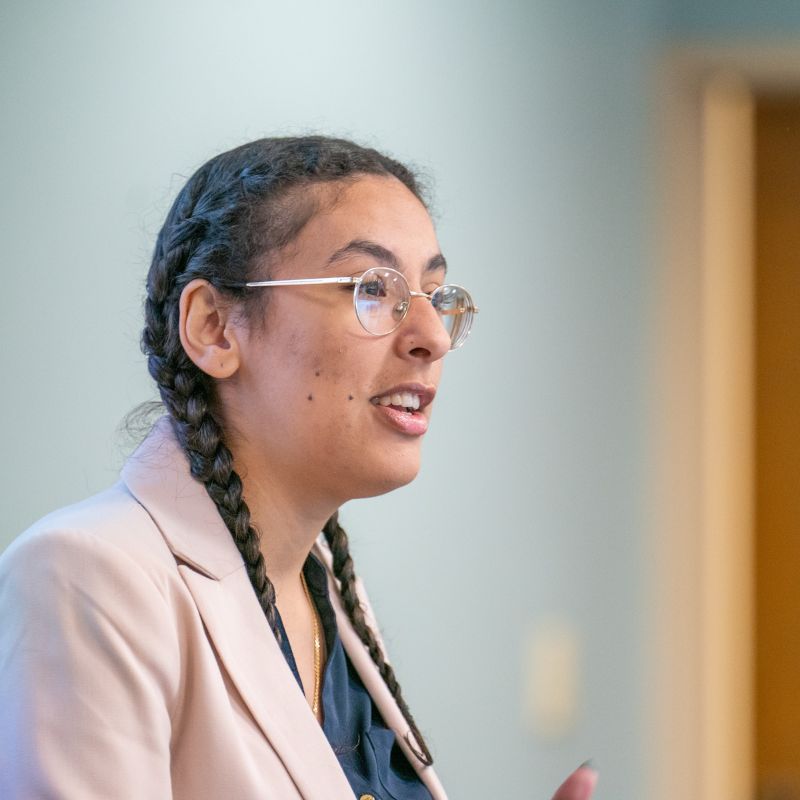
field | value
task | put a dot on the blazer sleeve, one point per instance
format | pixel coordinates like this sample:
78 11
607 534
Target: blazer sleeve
88 665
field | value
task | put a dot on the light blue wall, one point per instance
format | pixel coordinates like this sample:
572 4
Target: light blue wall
532 116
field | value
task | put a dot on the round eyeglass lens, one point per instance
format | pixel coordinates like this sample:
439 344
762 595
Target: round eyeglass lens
381 300
455 308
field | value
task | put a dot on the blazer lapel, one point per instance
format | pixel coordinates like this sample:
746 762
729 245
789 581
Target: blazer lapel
157 474
253 659
369 673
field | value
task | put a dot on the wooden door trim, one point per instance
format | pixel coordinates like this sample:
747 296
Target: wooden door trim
700 649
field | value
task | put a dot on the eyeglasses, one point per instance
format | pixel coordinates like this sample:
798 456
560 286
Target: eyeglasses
382 297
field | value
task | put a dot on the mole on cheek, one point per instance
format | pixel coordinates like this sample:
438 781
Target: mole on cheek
349 397
310 397
317 373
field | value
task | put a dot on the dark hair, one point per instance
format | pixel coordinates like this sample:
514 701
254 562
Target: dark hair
239 208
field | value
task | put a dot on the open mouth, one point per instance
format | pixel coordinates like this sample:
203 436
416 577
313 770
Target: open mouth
409 402
403 407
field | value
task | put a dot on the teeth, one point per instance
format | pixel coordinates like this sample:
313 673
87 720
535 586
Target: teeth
402 400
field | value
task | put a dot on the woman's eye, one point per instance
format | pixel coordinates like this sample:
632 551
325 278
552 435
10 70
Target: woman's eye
374 288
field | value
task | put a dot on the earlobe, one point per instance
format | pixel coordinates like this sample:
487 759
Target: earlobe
205 329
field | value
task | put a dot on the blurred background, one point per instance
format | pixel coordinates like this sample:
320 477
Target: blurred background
600 558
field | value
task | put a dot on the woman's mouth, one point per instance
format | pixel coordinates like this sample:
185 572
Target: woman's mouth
401 408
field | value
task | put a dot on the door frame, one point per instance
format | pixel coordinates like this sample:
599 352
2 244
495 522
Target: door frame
701 594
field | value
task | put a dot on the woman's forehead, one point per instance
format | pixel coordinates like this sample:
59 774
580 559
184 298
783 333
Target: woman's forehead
373 217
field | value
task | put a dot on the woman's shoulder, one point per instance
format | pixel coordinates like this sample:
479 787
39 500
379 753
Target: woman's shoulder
91 658
108 528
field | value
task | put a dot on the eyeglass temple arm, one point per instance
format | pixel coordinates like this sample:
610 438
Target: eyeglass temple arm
302 282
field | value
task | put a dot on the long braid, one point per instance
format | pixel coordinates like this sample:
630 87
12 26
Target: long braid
234 211
186 393
344 572
211 462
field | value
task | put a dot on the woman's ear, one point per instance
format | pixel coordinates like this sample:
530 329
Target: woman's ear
206 330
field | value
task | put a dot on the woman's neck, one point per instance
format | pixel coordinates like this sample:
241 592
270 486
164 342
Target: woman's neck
288 518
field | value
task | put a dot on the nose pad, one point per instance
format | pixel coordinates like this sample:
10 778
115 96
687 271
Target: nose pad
401 309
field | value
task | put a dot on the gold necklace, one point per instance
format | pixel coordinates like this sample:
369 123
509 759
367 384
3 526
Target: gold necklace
317 647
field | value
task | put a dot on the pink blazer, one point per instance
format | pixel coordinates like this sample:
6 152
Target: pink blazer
135 661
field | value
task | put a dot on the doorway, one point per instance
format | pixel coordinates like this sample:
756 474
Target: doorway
777 446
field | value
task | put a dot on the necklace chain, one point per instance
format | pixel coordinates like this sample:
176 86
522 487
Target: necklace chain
317 647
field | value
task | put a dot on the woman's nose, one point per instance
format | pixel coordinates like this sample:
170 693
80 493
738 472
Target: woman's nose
422 332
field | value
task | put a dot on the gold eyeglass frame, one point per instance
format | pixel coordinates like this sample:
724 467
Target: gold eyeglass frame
356 281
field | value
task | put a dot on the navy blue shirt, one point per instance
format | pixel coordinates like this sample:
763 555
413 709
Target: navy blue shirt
366 748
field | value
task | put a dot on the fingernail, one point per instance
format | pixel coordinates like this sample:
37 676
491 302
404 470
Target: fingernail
589 764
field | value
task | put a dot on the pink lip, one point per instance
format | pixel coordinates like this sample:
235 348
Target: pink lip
410 423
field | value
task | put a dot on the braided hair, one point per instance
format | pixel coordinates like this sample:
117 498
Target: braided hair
235 210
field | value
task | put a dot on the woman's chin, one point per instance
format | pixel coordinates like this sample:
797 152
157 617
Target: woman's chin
381 481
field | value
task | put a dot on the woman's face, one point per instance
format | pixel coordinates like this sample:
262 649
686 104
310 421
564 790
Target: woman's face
303 404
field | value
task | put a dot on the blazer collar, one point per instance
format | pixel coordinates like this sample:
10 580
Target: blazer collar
158 476
369 672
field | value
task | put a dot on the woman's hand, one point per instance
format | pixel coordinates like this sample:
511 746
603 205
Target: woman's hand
578 786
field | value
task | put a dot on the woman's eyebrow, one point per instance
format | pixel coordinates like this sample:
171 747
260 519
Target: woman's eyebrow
366 248
381 253
436 262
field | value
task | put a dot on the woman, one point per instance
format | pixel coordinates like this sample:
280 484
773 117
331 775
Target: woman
189 633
